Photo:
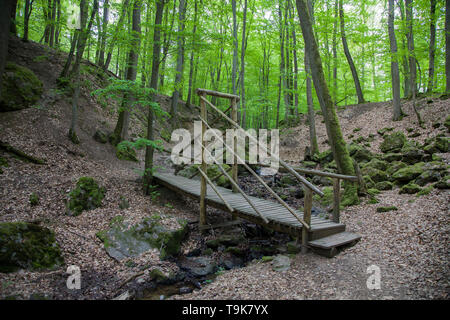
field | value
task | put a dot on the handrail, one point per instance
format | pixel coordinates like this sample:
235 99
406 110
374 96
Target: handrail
281 201
230 208
284 164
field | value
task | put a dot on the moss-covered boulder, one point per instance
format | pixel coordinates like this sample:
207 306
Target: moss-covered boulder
444 183
391 157
212 172
122 240
375 174
377 164
393 142
87 195
387 209
384 185
368 181
411 153
395 166
359 153
20 88
447 123
408 173
427 177
410 188
323 157
27 246
34 199
442 144
100 136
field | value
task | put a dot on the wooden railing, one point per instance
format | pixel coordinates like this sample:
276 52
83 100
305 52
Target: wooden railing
309 187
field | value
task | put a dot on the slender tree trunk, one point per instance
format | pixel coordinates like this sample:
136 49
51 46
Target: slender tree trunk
166 44
191 59
412 56
405 63
394 64
235 54
447 45
148 173
6 6
349 57
432 51
121 130
26 18
243 47
180 63
101 54
335 28
13 28
113 41
335 137
52 25
58 22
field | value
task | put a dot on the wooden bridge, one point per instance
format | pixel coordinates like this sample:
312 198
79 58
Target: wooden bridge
324 236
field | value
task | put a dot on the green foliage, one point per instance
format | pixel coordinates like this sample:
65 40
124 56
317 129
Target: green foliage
87 195
34 199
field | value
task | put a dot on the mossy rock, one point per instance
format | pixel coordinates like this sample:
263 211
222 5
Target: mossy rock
427 176
124 241
359 153
87 195
126 152
123 204
384 185
323 157
266 258
20 88
368 181
395 166
288 180
3 162
412 153
408 173
212 172
444 183
391 156
442 144
377 164
387 209
425 191
236 251
34 199
447 123
383 131
373 192
27 246
410 188
309 164
393 142
327 197
226 241
375 174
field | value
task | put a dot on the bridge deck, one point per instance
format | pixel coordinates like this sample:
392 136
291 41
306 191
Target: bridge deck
280 219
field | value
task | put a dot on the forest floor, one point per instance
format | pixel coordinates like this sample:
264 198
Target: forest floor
411 245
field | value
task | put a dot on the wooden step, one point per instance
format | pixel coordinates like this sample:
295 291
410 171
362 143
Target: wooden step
328 246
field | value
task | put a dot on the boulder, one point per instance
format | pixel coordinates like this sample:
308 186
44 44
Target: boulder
391 156
100 136
281 263
375 174
27 246
393 142
122 240
87 195
20 88
444 183
198 266
359 153
384 185
411 153
408 173
410 188
427 176
377 164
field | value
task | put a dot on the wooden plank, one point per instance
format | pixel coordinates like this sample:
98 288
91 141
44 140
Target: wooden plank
203 92
336 199
335 240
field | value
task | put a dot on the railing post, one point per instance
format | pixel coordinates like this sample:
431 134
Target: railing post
234 165
204 167
336 199
306 218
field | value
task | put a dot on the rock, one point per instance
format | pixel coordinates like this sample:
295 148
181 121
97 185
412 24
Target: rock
386 209
123 204
377 164
368 181
375 174
296 192
309 164
123 241
185 290
383 131
323 157
395 166
87 195
20 88
408 173
198 266
444 183
411 153
393 142
100 136
384 185
288 180
230 262
226 240
281 263
447 123
390 157
442 144
34 199
212 172
293 247
359 153
324 181
27 246
427 176
410 188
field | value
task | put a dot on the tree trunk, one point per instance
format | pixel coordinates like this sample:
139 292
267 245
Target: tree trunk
166 43
412 56
335 28
243 47
5 14
101 54
52 25
58 22
432 51
335 137
394 64
180 64
26 18
13 28
191 59
349 57
235 55
148 173
447 45
121 130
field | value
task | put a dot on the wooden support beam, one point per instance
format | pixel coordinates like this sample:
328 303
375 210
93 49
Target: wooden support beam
235 168
204 167
307 218
220 174
203 92
230 208
336 198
